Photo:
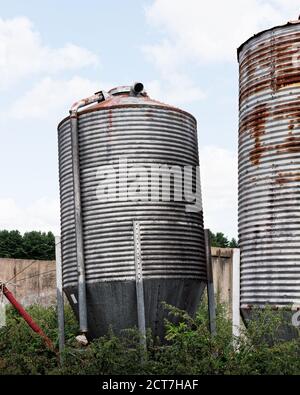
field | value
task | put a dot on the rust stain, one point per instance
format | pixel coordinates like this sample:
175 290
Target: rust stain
291 128
291 131
284 178
275 56
261 49
258 117
125 101
254 119
284 79
291 144
254 124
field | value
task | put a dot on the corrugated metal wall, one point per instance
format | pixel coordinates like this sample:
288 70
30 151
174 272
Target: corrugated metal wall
269 167
172 238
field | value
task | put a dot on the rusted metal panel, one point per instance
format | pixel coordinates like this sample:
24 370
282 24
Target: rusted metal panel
172 240
269 167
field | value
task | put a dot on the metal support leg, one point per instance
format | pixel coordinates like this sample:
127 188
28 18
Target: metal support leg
60 298
139 282
82 303
210 285
236 317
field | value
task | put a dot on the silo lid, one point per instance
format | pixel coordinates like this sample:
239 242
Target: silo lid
122 97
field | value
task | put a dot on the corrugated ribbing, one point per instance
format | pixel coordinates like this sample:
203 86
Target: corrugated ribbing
171 238
269 168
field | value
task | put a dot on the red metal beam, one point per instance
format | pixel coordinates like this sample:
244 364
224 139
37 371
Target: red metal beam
27 317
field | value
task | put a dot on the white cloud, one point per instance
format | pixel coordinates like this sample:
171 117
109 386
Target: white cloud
42 214
22 53
205 33
52 98
219 180
212 30
179 91
200 32
174 87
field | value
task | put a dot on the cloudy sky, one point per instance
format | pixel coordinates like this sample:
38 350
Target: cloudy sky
54 52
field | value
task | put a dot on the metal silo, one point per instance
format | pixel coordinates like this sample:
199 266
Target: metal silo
122 257
269 169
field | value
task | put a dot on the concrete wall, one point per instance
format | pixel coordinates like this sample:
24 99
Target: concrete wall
222 275
34 281
31 281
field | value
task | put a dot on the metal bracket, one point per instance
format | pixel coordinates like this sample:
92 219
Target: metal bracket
139 281
60 298
210 285
236 317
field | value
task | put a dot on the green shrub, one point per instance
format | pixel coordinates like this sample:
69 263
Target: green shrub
22 351
189 347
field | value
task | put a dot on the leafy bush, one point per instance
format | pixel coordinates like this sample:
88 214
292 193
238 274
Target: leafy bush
22 351
189 348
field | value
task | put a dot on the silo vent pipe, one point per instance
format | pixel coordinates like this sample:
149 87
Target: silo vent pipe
137 88
82 305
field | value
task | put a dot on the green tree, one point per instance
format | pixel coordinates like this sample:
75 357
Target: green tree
220 240
233 243
32 245
38 245
11 244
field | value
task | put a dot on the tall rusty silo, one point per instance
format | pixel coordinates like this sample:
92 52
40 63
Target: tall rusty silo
117 252
269 169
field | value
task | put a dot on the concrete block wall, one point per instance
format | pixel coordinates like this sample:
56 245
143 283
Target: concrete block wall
34 282
222 275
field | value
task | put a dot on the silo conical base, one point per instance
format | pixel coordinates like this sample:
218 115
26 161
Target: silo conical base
285 332
113 304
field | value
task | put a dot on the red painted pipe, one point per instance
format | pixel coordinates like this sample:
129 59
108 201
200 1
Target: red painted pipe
33 325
